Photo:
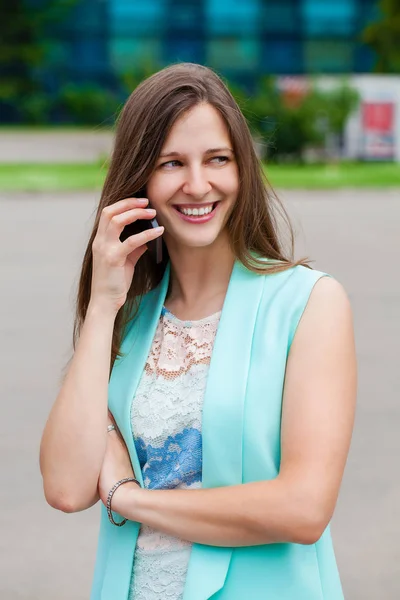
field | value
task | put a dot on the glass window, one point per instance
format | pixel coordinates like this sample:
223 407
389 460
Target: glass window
329 56
59 52
368 11
185 16
88 55
326 18
280 16
125 52
232 16
233 54
127 16
282 57
83 18
184 49
364 59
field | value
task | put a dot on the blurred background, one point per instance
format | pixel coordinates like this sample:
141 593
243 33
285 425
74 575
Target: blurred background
304 71
319 82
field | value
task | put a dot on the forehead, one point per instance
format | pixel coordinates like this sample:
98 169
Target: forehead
201 125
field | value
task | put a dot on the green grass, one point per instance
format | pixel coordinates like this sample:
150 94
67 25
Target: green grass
334 176
67 177
54 177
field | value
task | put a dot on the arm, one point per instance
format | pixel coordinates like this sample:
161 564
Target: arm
74 439
317 420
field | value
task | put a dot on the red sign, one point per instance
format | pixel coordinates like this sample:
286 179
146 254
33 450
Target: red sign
378 116
378 130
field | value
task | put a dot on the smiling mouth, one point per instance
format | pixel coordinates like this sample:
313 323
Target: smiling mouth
196 211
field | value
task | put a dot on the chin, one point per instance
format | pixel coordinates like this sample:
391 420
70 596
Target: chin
199 243
196 240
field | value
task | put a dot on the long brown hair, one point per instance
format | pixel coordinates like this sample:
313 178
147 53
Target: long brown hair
142 128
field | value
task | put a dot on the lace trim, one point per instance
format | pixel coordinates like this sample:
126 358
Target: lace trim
189 323
179 345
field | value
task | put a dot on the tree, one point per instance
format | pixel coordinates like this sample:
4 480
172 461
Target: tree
23 49
286 125
383 37
282 127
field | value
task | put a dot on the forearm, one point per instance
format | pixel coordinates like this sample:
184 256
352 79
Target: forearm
243 515
74 439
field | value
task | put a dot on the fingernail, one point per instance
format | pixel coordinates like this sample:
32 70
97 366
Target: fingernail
143 201
161 228
150 210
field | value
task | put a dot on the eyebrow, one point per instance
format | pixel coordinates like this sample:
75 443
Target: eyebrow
209 151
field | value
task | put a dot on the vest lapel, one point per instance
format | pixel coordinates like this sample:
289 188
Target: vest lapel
223 416
124 381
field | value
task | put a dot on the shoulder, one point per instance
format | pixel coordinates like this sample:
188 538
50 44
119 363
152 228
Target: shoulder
327 316
317 287
293 285
312 300
328 298
296 275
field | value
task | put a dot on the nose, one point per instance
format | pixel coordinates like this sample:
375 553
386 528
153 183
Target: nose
196 183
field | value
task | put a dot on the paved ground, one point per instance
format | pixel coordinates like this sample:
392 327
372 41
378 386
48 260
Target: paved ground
46 555
55 145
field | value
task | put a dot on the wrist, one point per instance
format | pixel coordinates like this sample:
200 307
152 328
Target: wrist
101 310
126 500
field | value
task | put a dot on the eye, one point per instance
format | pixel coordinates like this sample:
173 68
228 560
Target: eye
220 160
171 163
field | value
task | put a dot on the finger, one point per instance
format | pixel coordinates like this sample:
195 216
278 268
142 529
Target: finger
136 241
117 208
118 222
136 254
111 420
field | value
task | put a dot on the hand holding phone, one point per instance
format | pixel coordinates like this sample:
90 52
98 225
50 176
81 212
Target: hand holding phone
155 247
114 263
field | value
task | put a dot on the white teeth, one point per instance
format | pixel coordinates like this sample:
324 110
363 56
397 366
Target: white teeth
197 212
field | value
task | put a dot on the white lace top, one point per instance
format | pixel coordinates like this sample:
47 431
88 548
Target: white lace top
166 425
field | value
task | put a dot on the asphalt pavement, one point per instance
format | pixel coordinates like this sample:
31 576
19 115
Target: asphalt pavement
353 235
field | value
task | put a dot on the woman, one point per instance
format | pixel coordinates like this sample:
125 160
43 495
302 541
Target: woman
232 370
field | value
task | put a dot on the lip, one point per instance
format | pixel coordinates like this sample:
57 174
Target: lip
196 220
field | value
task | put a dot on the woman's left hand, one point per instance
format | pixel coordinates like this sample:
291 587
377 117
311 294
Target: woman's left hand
116 463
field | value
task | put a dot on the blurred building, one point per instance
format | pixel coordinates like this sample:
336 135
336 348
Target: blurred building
94 52
239 38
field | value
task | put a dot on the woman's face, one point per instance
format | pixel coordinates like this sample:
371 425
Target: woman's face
195 182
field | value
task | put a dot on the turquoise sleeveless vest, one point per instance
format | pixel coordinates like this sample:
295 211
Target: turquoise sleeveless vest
241 442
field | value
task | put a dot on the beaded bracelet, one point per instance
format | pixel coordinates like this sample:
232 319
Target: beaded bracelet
110 495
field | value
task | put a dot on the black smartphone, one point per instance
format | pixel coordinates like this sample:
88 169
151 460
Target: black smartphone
155 247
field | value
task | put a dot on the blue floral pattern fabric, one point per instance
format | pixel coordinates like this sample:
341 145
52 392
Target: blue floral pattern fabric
166 426
176 462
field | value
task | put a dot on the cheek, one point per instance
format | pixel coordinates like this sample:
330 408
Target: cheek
230 183
152 188
160 189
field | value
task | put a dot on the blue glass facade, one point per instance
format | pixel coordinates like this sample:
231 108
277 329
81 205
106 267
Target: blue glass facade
239 38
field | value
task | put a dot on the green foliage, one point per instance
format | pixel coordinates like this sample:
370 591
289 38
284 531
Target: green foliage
383 37
129 80
340 103
23 27
88 104
35 107
287 128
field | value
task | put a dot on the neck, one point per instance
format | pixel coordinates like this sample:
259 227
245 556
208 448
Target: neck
199 279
